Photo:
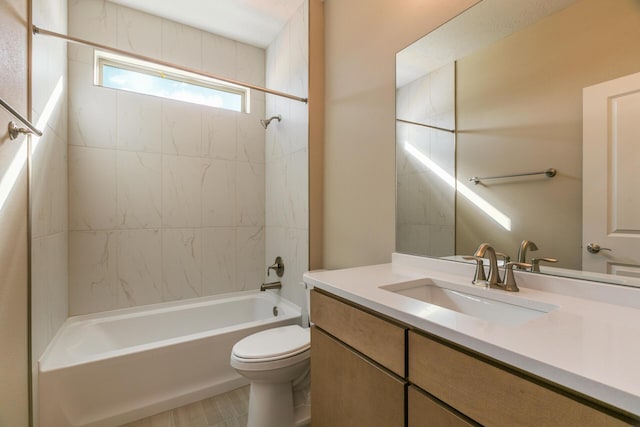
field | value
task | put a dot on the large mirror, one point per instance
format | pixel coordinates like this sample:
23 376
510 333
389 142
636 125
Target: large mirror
519 121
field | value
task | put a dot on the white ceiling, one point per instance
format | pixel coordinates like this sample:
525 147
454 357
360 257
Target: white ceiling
256 22
481 25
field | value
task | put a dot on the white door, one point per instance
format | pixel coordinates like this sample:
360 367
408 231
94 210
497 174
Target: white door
611 177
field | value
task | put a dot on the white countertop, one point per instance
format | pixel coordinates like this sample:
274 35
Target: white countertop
590 343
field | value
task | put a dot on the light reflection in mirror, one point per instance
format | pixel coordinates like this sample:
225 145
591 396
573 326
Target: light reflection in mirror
487 208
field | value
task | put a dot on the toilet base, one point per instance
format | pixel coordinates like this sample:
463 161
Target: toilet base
270 405
280 404
302 416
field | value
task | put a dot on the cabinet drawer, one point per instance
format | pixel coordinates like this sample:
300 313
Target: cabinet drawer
349 390
373 336
424 410
491 395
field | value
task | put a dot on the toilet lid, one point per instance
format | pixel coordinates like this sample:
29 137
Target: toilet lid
270 343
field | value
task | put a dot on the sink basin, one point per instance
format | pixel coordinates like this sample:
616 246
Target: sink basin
493 305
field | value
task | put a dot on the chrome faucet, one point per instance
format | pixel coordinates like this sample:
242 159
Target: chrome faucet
272 285
535 263
522 251
479 278
495 281
494 274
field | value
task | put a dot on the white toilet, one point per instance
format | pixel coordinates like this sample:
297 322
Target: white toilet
276 361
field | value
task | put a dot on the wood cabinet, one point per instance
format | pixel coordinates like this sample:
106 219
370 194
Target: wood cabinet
376 338
423 409
349 390
368 370
358 366
491 394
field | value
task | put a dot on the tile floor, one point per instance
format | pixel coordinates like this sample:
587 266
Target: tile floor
226 410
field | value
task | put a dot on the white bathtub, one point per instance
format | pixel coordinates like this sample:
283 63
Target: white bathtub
110 368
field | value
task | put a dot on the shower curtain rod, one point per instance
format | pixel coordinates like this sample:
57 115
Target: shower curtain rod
42 31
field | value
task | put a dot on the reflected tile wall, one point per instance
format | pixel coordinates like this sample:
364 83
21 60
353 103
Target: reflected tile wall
425 213
166 199
286 155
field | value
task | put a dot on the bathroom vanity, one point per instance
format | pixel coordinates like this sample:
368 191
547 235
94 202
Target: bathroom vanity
384 356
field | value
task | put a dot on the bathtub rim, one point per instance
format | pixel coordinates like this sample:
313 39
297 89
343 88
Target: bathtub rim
105 316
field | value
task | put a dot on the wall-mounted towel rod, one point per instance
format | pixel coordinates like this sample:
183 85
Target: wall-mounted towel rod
550 173
42 31
425 125
14 129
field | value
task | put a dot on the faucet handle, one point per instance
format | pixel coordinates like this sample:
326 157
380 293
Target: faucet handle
535 263
505 258
510 280
278 267
479 277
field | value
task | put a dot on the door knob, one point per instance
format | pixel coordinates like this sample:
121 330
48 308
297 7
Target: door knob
594 248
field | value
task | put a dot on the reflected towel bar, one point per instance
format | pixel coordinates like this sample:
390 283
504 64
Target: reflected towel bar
13 128
550 173
41 31
425 125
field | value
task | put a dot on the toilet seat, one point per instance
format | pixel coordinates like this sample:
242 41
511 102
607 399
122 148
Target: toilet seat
277 363
272 344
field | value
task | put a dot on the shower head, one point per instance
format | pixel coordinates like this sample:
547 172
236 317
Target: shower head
265 122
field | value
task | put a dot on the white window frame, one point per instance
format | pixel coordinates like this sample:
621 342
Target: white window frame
102 58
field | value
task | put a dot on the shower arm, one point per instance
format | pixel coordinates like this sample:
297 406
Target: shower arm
265 122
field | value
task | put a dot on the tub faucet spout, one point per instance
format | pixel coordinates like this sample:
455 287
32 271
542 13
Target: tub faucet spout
272 285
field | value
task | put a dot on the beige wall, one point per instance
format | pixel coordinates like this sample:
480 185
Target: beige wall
13 216
361 40
316 133
519 109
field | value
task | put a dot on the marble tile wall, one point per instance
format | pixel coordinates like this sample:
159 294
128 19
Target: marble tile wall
49 229
287 199
425 222
166 199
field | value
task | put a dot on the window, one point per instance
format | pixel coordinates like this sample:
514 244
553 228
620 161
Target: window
133 75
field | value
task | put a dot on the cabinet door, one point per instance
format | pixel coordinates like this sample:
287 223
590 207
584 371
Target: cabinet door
426 411
494 396
371 335
349 390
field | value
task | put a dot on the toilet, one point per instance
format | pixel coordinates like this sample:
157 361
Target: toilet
277 363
